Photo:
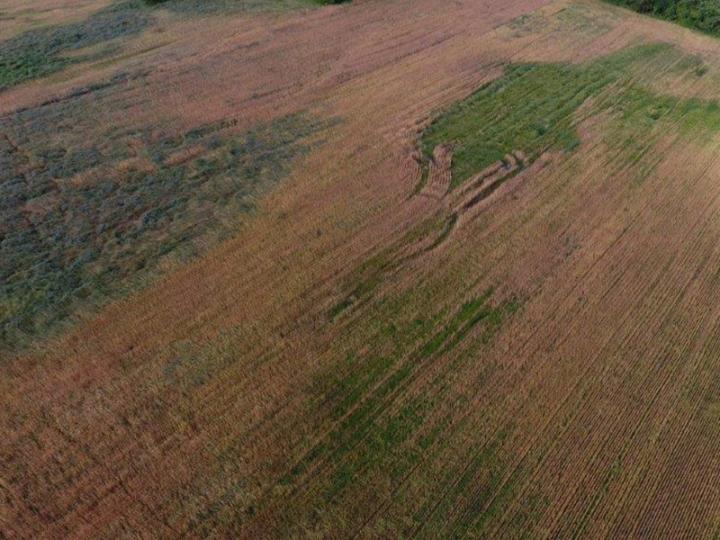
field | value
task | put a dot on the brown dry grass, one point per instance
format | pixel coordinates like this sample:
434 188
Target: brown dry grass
183 409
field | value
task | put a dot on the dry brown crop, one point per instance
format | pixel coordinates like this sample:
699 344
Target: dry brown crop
393 268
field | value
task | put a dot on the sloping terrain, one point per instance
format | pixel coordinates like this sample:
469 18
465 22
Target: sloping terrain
394 268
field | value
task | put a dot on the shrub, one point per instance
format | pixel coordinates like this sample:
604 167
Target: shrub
700 14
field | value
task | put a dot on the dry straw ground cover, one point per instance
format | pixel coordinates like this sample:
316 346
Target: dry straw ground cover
393 268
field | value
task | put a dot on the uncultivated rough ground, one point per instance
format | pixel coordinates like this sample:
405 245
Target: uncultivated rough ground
394 268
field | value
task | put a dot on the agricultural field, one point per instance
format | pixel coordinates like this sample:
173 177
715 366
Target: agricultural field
373 269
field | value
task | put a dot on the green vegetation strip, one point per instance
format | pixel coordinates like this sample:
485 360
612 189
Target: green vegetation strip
703 15
366 438
83 217
46 50
229 6
43 51
532 108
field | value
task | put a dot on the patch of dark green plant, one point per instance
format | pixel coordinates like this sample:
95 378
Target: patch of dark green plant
359 390
471 314
46 50
369 274
385 447
533 107
386 444
83 218
703 15
213 7
478 484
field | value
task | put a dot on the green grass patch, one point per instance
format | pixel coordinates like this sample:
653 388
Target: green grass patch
80 220
43 51
359 389
212 7
703 15
532 107
388 446
365 279
471 312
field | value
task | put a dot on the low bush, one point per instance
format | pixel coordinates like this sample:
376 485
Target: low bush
83 217
700 14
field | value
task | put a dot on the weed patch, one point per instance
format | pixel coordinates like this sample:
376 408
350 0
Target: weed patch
367 442
83 217
211 7
532 108
703 15
43 51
